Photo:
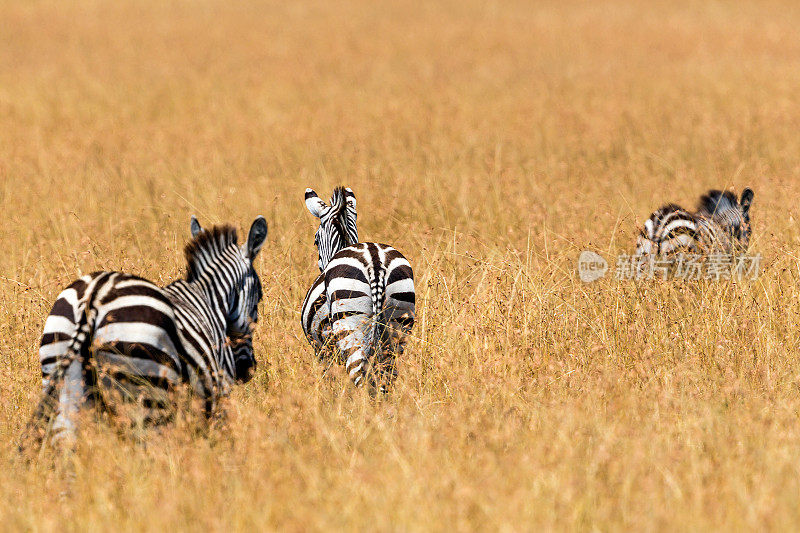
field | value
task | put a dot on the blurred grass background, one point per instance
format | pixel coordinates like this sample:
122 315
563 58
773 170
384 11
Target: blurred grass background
490 142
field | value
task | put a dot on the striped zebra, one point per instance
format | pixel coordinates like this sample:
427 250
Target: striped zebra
721 224
361 306
122 343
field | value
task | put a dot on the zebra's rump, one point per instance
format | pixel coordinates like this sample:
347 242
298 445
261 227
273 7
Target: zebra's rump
366 281
669 229
134 317
314 315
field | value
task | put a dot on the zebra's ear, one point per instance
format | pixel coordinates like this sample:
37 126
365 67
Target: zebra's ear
746 199
194 226
314 203
256 237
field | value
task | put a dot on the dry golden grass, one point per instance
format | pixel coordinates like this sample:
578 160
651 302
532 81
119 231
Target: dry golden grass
490 143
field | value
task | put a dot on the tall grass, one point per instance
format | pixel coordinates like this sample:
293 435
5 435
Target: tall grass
490 143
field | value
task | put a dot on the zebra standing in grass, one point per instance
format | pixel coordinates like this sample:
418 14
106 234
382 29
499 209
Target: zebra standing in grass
721 224
117 340
361 307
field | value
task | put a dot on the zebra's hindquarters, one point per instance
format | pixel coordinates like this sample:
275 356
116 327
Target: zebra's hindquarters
135 352
361 308
397 311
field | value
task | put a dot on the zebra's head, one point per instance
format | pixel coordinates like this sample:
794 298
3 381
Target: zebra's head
337 222
236 275
730 214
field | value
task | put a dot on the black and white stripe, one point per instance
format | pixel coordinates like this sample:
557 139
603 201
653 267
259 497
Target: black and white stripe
360 308
721 224
113 339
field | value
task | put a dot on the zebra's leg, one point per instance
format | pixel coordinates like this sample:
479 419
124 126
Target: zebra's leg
70 400
59 330
396 324
385 368
137 391
350 333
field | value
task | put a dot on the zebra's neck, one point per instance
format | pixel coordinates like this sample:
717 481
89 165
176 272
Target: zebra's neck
216 285
194 306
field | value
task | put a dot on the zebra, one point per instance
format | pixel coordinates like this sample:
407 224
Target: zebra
115 340
360 308
720 224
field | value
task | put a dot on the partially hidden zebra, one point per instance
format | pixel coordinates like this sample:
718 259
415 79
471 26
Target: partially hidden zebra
360 308
720 225
120 342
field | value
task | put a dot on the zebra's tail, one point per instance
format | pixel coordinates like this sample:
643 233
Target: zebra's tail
378 326
39 424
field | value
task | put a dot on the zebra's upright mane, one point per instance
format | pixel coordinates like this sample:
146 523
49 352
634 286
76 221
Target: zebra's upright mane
345 214
338 201
723 208
207 246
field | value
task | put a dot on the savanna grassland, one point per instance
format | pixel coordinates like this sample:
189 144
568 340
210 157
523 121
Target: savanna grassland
491 143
